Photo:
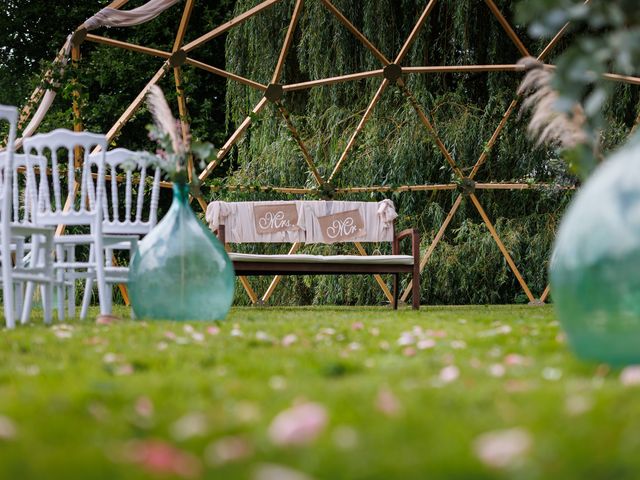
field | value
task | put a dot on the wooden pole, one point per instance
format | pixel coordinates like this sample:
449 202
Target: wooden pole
228 25
502 248
545 294
494 137
287 41
276 280
303 148
37 94
131 109
225 74
364 40
507 28
383 286
77 114
233 139
128 46
434 244
414 33
425 121
464 68
177 75
403 188
332 80
545 52
361 124
253 296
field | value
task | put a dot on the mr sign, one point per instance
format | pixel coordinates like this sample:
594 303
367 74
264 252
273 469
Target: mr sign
342 227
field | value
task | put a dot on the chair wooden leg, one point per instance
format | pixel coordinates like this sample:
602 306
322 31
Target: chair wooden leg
396 290
416 287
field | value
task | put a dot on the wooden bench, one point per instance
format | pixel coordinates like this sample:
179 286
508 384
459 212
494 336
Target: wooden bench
313 222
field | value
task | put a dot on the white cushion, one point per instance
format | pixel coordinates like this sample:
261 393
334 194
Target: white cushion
302 258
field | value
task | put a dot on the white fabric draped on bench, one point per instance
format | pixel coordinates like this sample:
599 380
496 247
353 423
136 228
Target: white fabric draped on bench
239 221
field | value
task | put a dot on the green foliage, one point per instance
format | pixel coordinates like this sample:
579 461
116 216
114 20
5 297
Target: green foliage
395 149
606 39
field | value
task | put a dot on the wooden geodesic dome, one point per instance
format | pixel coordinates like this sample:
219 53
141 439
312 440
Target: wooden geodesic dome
391 71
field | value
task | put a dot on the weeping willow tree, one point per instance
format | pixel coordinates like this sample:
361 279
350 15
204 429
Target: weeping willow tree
395 149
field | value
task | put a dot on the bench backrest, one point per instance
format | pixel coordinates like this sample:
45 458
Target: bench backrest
303 221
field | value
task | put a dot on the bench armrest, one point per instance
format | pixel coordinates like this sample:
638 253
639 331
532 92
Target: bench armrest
412 233
219 232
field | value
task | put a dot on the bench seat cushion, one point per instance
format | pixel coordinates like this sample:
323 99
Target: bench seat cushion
342 259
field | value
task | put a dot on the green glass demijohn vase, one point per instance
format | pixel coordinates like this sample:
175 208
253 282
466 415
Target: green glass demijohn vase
594 268
181 271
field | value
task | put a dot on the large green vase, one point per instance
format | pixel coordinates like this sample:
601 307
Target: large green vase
181 271
595 265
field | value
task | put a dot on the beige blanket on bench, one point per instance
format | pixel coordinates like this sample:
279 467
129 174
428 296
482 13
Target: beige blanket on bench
241 223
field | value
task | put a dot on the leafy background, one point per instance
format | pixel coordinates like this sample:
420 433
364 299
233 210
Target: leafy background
394 148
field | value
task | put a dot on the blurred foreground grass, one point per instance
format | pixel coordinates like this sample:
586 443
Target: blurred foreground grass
451 393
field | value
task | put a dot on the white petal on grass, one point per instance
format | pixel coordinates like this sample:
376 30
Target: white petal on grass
552 374
191 425
630 376
576 405
8 429
298 425
449 374
228 449
268 471
497 370
406 338
289 339
277 383
426 344
387 403
345 437
503 448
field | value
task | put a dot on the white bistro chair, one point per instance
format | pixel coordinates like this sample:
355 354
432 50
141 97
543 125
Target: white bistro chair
20 237
129 210
61 197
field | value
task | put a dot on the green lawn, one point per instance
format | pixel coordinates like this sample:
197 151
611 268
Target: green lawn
451 393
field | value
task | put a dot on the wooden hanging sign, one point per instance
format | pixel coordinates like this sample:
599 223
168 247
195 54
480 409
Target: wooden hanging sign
275 218
342 227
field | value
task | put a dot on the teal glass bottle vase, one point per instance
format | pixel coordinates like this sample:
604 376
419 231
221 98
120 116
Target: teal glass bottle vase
181 270
594 271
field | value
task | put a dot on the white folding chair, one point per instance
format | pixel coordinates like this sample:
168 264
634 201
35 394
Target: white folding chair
17 228
63 199
129 210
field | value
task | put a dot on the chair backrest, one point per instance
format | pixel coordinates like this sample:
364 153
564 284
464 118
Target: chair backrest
130 194
10 115
61 198
22 186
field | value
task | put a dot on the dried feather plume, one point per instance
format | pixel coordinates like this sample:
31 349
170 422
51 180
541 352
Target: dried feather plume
548 125
163 118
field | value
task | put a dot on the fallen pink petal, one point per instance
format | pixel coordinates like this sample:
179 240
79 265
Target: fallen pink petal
278 472
298 425
503 448
449 374
387 403
159 457
630 376
8 428
228 449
